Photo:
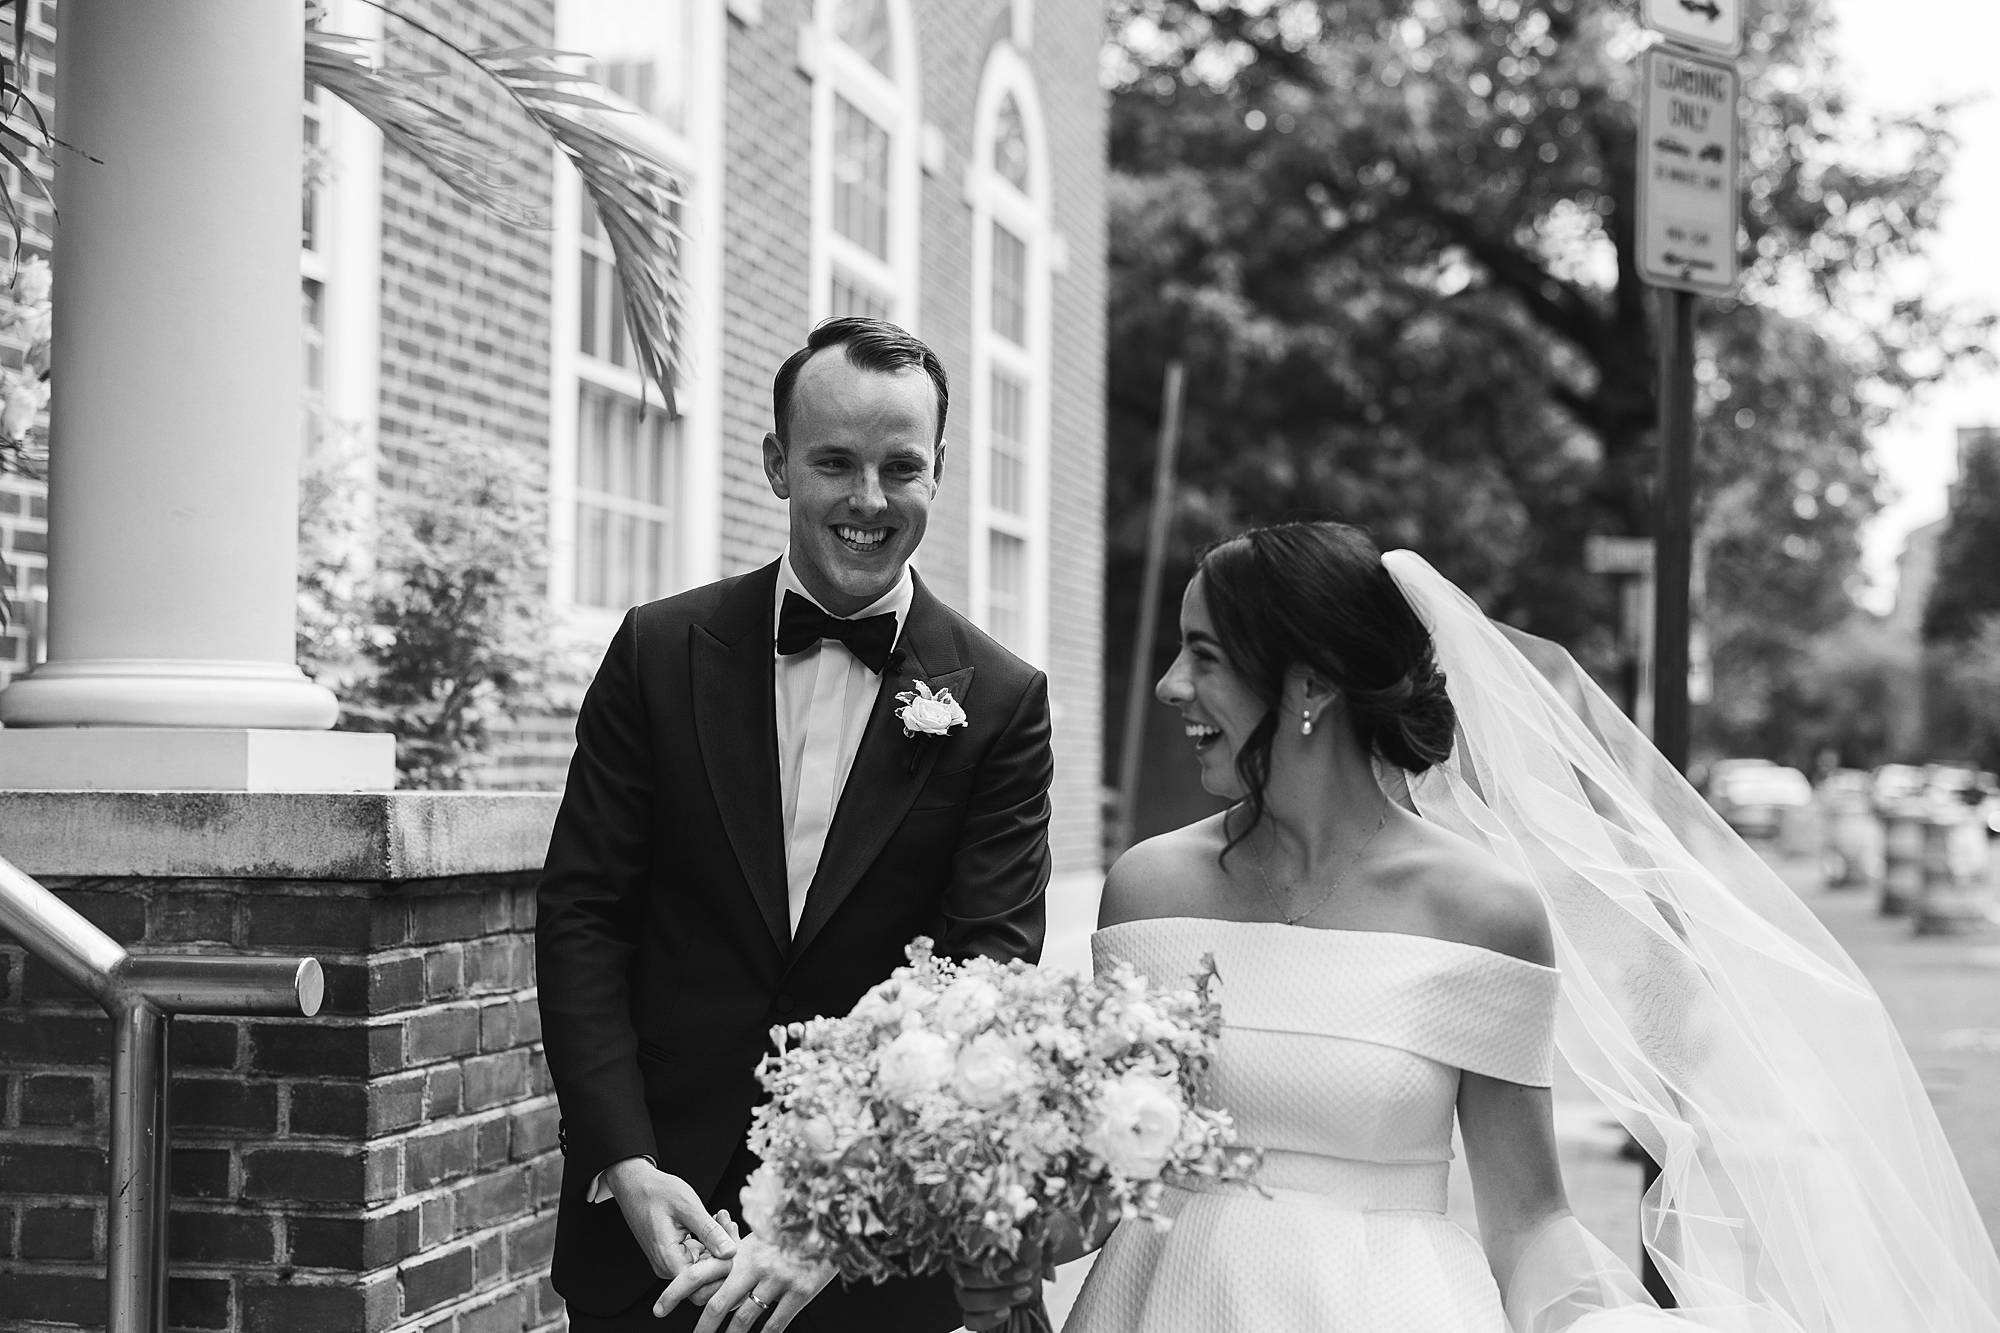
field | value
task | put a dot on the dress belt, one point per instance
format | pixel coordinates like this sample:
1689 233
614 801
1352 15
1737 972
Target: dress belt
1344 1183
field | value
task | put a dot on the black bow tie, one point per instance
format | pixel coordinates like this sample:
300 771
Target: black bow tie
801 625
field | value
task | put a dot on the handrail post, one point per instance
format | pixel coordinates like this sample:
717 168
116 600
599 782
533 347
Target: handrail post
142 994
136 1269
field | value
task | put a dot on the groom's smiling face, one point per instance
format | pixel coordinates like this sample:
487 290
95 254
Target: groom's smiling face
859 463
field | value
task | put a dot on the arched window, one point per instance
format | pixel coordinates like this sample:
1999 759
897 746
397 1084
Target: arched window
865 132
626 521
1007 186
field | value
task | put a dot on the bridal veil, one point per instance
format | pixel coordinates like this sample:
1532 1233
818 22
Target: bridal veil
1805 1184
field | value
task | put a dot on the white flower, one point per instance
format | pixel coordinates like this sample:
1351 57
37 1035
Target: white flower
1138 1119
821 1138
915 1062
31 282
967 1005
928 714
990 1073
763 1197
17 412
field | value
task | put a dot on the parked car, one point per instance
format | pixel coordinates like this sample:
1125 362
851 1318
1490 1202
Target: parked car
1754 796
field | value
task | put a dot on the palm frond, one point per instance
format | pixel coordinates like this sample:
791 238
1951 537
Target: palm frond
396 100
636 195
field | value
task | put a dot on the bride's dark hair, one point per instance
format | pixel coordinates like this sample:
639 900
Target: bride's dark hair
1316 595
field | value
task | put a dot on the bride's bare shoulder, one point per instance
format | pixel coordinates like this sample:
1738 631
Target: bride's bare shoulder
1468 896
1174 874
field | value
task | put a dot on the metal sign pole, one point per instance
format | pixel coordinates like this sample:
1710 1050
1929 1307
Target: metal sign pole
1674 526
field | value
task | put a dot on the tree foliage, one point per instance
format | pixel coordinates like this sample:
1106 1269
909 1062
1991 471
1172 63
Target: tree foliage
1393 241
432 622
1967 587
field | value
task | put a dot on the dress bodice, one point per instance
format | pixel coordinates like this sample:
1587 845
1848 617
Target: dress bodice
1340 1057
1349 1044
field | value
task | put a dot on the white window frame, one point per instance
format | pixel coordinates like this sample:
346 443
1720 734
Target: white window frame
893 103
348 267
993 198
696 152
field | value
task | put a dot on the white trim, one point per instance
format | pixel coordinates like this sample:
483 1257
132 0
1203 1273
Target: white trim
993 198
349 264
895 104
697 490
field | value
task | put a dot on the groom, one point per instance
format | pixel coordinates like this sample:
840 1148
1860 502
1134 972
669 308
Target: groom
750 836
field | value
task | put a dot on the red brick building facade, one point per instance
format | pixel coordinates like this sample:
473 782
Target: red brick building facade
936 161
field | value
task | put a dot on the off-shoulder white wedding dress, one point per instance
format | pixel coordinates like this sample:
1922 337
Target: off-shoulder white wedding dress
1340 1057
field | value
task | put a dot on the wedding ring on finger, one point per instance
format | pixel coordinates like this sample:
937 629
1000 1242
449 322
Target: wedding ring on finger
752 1298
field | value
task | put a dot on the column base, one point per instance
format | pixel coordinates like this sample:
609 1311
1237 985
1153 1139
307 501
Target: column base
167 692
194 759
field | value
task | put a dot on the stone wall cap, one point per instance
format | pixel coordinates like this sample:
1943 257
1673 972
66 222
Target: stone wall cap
357 836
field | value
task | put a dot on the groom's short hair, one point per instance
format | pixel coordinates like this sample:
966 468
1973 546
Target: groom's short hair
871 344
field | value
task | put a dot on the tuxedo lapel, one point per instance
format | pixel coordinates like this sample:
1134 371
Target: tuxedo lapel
732 673
884 782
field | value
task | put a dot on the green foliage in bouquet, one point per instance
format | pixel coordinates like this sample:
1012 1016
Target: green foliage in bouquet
959 1107
448 630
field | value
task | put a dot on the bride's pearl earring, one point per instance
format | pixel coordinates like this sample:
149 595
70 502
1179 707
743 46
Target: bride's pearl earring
1306 726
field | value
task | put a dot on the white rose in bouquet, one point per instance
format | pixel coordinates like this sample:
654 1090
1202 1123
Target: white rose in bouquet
967 1005
914 1063
1138 1119
991 1072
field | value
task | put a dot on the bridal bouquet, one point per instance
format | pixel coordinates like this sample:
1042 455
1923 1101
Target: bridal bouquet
960 1106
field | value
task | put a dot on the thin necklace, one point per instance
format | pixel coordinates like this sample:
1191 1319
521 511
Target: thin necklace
1272 894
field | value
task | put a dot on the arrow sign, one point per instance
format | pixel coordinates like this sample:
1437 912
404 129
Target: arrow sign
1687 172
1714 26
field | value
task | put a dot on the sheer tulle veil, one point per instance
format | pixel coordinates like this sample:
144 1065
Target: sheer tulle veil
1805 1184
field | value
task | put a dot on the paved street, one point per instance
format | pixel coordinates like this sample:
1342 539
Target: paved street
1944 994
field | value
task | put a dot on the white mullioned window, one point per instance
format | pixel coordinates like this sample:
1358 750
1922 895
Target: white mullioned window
1007 188
626 473
866 127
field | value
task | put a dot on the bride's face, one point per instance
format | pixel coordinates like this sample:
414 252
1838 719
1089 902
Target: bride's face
1219 709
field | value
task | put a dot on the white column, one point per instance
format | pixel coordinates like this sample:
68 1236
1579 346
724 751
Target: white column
173 487
173 458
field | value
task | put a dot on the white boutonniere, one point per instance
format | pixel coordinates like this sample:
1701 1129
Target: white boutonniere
925 713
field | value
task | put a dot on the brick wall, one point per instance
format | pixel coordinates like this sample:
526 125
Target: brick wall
390 1164
465 297
955 38
767 144
1064 56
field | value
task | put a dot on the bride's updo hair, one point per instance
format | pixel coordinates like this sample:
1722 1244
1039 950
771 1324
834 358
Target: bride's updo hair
1316 595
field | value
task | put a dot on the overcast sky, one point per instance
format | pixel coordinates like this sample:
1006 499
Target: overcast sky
1899 55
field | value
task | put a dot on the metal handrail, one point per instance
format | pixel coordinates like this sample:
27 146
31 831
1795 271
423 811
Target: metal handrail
142 994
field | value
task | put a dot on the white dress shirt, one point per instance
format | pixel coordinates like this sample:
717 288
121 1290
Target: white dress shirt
821 699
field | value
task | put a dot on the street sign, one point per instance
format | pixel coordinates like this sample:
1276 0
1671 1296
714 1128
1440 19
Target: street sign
1687 173
1617 555
1706 25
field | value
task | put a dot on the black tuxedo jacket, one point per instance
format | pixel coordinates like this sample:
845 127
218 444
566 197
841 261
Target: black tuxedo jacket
662 948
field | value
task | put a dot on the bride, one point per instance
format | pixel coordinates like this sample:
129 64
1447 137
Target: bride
1435 873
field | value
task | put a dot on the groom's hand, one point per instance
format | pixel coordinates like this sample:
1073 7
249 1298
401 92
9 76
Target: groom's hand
664 1212
758 1281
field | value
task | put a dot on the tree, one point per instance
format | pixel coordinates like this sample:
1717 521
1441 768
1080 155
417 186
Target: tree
447 629
1393 240
1967 587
